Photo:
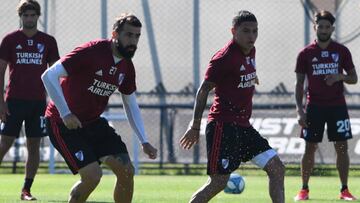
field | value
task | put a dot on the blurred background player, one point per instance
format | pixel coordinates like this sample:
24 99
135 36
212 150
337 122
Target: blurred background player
323 63
80 85
28 52
229 136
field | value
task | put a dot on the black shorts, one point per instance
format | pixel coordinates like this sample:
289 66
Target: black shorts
336 119
32 112
83 146
229 144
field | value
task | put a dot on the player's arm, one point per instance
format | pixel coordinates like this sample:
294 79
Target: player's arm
349 78
192 135
200 103
133 114
299 94
51 79
3 107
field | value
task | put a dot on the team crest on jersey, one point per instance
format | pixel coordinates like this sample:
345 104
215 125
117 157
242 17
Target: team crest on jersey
121 78
40 47
335 57
253 62
80 155
225 163
18 46
324 54
314 59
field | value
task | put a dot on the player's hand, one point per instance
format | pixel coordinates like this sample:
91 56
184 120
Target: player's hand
257 80
4 111
331 79
72 122
190 138
301 117
149 150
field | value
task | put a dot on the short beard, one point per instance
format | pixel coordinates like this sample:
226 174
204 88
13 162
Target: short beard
124 50
322 39
29 26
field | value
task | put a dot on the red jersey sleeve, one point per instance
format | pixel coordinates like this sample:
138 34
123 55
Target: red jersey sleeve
53 55
77 59
301 63
216 70
347 61
127 81
5 49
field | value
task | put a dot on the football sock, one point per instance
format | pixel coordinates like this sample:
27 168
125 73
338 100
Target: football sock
305 187
343 187
27 184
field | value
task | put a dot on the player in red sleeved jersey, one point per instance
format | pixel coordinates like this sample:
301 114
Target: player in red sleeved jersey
27 52
80 85
229 136
323 63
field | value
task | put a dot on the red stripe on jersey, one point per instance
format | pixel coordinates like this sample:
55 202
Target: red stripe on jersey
216 147
62 145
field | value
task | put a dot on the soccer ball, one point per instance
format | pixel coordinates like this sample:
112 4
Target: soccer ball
235 184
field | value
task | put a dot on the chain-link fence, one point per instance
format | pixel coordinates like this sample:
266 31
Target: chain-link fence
178 40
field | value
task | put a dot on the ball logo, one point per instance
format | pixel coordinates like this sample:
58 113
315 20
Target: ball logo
235 184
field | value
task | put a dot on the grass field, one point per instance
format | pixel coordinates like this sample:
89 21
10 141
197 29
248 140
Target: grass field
166 189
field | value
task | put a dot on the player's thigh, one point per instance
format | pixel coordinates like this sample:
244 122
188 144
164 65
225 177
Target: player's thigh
120 164
339 128
222 148
315 119
255 148
73 145
91 172
34 122
105 140
14 120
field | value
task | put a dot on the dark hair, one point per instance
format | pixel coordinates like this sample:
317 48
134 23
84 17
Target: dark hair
25 5
243 16
324 15
126 18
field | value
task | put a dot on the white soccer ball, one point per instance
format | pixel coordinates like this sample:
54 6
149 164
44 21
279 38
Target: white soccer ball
235 184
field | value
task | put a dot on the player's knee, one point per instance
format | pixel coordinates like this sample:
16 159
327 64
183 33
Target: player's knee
275 168
218 182
310 148
92 178
126 171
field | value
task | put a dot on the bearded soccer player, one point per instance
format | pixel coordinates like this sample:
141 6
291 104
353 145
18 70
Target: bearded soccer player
80 85
27 52
229 136
323 63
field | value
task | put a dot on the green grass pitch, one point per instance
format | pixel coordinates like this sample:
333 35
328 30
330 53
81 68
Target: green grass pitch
174 189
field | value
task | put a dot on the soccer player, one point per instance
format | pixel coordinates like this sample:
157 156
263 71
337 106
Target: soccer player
27 52
80 85
323 63
230 137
